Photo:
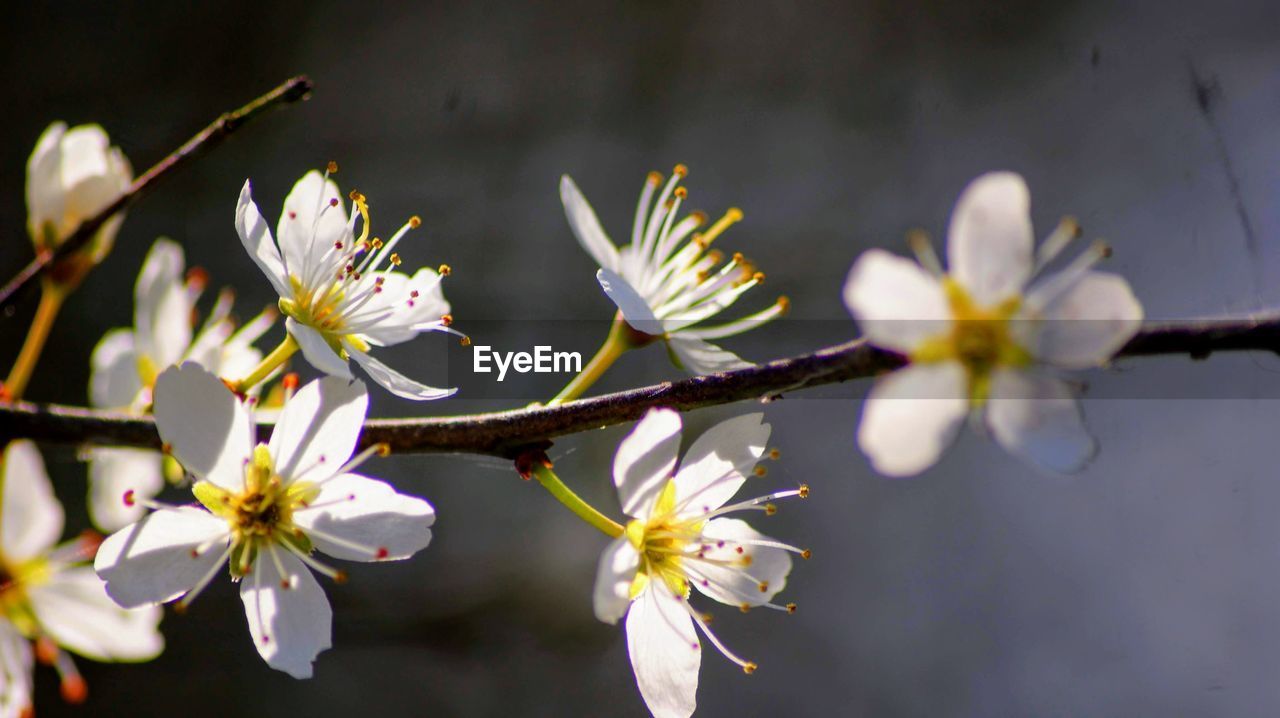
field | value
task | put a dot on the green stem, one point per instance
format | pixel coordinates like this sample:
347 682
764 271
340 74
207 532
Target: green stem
564 495
51 297
272 361
621 338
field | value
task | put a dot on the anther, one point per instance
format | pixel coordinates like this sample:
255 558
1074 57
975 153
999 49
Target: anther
337 245
681 170
355 196
333 202
129 499
744 607
73 689
395 259
738 549
465 341
293 214
804 491
764 586
699 217
706 617
654 178
382 553
775 454
384 449
739 258
340 576
447 320
784 304
1104 249
757 277
791 608
806 554
197 277
681 193
332 168
733 214
46 650
760 471
290 381
749 668
166 449
445 270
415 222
746 559
770 509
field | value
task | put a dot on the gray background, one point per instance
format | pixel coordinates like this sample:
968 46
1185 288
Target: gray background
1145 586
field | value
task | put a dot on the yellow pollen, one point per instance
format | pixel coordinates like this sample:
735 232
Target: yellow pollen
764 586
791 608
757 277
447 320
784 304
415 221
384 449
804 491
445 270
332 168
806 554
749 668
356 196
681 192
395 259
699 217
739 258
730 217
340 576
760 471
775 454
466 341
744 607
681 170
770 509
376 243
746 560
654 178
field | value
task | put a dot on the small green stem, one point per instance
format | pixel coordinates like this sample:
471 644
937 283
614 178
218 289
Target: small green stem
621 338
564 495
52 296
272 361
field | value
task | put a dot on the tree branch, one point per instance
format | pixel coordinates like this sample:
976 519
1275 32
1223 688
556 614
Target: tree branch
509 433
290 91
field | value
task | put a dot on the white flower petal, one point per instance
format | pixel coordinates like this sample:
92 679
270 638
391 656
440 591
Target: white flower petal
633 306
44 188
990 241
586 227
73 608
911 416
210 431
152 561
717 577
90 177
717 464
30 515
112 472
290 626
256 237
318 428
897 302
363 519
113 371
645 460
1084 326
397 383
665 652
161 273
1037 418
16 663
316 350
616 571
310 222
700 357
409 312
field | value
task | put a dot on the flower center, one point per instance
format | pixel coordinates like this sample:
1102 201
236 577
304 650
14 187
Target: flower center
662 541
979 338
262 513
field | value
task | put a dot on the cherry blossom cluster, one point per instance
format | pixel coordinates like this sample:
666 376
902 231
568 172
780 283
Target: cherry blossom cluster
983 339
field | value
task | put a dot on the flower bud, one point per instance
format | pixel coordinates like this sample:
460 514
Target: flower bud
71 176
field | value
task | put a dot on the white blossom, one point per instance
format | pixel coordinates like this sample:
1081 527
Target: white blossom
668 282
680 538
265 509
339 289
126 362
49 596
984 338
72 175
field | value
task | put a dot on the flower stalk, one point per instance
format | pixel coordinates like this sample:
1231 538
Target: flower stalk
52 296
269 364
552 483
621 338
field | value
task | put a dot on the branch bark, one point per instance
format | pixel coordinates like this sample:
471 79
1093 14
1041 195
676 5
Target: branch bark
224 126
509 433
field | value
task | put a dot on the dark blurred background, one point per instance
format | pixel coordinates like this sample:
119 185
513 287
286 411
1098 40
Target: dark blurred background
1148 585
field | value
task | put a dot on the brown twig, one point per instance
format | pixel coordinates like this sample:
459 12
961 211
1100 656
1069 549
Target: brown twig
290 91
509 433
